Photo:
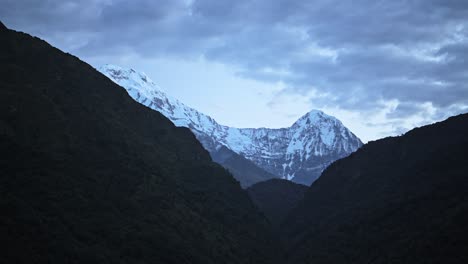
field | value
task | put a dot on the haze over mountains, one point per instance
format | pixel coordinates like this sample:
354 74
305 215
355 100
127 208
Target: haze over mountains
299 153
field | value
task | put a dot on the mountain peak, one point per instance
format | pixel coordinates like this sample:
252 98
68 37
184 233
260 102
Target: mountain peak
315 112
316 118
297 153
314 115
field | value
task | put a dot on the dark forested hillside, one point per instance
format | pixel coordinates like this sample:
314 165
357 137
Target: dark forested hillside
244 170
396 200
88 175
276 198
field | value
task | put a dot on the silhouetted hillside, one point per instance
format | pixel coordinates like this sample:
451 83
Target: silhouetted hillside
396 200
276 198
88 175
244 170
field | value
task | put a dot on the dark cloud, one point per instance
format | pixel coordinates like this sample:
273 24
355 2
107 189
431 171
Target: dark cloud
360 54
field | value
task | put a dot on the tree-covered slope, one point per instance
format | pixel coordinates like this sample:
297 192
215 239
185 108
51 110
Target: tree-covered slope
276 198
88 175
396 200
244 170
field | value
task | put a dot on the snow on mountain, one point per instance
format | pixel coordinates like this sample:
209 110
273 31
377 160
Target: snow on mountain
298 153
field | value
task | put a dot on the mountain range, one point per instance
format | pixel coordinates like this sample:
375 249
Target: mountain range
89 175
298 153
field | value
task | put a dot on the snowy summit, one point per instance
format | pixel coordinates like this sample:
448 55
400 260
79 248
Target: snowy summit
298 153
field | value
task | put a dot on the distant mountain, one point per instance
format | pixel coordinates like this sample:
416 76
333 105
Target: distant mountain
396 200
244 170
276 198
298 153
88 175
141 88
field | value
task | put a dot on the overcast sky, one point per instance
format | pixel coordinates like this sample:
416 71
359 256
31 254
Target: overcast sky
382 67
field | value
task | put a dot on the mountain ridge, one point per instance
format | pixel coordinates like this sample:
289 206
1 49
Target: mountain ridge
88 175
298 153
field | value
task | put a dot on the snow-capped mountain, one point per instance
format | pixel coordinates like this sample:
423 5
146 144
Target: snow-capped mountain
298 153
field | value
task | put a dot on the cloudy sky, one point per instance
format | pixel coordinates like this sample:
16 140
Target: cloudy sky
382 67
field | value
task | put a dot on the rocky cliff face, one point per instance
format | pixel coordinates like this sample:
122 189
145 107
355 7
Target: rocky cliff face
298 153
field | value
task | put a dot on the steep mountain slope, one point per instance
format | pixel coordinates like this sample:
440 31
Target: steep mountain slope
276 198
88 175
298 153
141 88
245 171
396 200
